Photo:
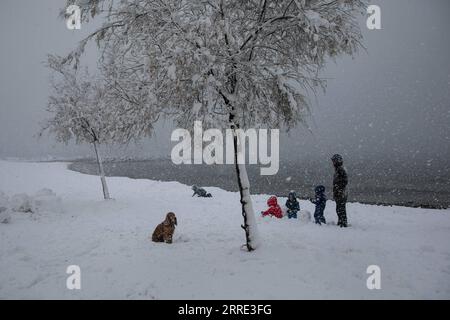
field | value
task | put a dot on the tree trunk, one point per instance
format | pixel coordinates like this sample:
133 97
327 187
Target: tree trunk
249 226
101 172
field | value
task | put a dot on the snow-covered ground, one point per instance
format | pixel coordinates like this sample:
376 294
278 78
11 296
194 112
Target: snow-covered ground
109 241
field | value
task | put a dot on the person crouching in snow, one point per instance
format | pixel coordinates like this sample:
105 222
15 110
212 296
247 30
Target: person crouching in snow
292 205
274 209
320 201
200 192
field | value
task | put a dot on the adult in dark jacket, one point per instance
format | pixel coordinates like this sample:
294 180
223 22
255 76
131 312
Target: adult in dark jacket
292 205
320 201
340 182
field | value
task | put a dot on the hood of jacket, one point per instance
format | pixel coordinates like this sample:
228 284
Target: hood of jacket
320 189
272 202
292 196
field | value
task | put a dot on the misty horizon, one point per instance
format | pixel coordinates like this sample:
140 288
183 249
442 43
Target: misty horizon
391 101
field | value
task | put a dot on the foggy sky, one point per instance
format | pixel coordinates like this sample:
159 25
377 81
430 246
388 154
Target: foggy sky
391 101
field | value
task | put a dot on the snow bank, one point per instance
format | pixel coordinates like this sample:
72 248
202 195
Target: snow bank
109 240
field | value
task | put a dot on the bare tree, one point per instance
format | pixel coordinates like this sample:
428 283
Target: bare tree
229 63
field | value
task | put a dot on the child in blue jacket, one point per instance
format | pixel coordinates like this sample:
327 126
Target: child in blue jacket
292 205
320 201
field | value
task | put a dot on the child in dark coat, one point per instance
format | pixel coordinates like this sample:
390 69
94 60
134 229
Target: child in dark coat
320 201
292 205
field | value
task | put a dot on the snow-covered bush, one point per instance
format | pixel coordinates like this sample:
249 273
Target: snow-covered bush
22 203
4 200
45 200
5 217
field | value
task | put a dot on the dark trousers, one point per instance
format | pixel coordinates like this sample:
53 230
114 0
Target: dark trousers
292 214
341 211
318 217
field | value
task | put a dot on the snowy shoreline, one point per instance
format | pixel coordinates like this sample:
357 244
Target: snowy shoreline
301 177
298 260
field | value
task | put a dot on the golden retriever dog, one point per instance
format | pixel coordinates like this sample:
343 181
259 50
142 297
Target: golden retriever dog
164 231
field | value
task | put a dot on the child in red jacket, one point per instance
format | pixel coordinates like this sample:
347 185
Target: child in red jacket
274 209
